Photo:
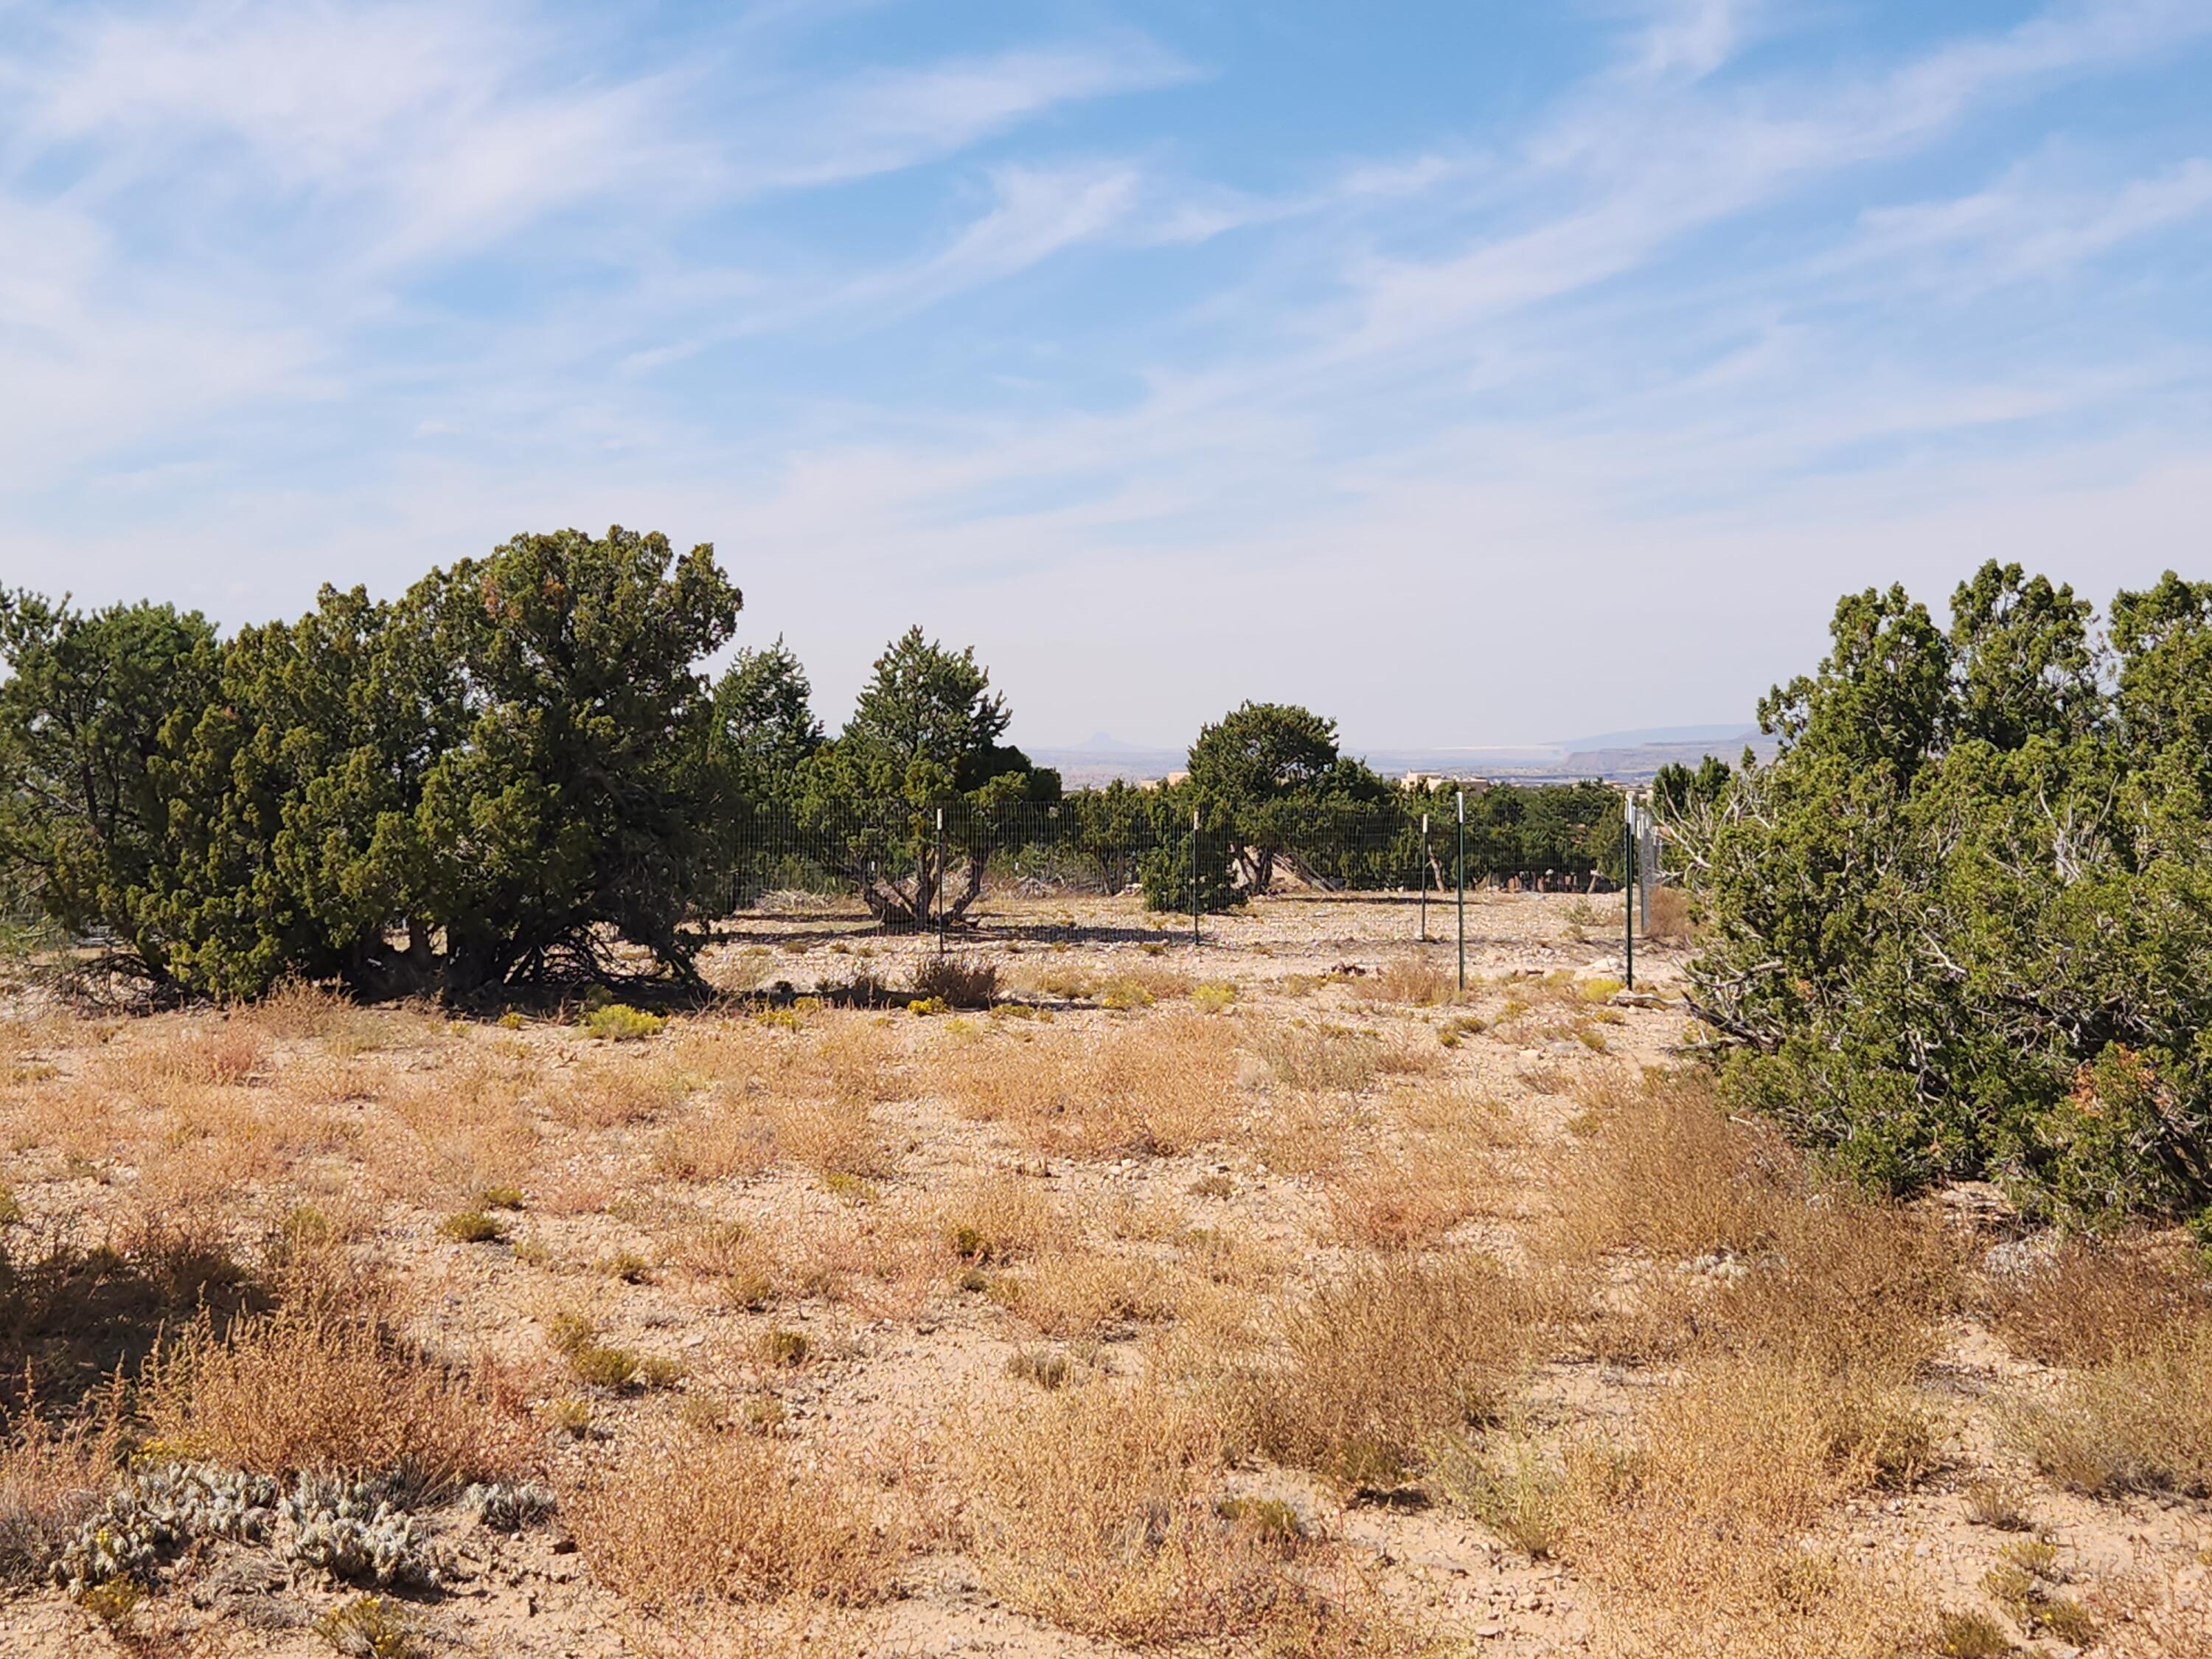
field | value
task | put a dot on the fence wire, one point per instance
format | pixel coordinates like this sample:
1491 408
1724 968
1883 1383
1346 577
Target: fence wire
912 866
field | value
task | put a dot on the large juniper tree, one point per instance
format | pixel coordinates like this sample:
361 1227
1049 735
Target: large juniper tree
927 736
511 769
1962 923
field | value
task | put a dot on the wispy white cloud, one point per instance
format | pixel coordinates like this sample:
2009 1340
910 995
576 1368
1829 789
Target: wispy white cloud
1690 331
454 126
882 120
1637 174
2024 228
1690 38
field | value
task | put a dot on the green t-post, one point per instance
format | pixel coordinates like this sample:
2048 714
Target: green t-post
1628 890
1424 877
1461 863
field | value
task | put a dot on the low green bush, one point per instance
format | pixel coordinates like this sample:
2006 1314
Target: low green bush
617 1022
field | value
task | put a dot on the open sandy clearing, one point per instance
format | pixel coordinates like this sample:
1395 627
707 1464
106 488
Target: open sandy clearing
1265 1298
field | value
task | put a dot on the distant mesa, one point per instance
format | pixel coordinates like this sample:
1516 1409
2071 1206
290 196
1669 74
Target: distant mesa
1615 756
1105 743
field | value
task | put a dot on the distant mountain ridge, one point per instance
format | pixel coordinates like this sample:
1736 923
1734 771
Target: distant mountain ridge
1629 756
1667 736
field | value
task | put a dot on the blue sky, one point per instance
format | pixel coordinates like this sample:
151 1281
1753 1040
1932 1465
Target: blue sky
1473 372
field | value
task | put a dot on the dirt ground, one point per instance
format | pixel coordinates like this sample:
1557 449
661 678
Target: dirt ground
887 1245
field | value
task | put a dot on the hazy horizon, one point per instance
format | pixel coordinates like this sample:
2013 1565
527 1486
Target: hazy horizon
1109 743
1468 375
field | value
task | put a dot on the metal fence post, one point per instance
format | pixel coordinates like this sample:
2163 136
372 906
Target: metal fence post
1194 877
1461 862
1424 877
1647 864
939 893
1628 889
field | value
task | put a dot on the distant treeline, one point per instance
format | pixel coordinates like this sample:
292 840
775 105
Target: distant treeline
518 769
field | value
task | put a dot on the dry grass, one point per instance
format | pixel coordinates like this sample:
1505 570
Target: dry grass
599 1094
72 1315
1699 1534
1370 1366
1442 1166
1417 981
836 1136
1406 1199
178 1052
717 1140
460 1127
1329 1058
2150 1616
957 983
1303 1302
880 1261
1100 1510
1143 983
2098 1299
1164 1086
729 1258
1849 1283
219 1142
1682 1233
844 1055
52 1475
807 1097
1670 916
1071 1293
81 1119
1060 981
319 1391
679 1518
2140 1421
298 1012
1808 1316
1000 1218
1659 1168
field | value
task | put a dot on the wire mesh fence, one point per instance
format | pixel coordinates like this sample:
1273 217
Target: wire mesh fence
913 867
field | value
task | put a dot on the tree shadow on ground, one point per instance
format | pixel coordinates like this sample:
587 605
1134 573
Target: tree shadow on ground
73 1316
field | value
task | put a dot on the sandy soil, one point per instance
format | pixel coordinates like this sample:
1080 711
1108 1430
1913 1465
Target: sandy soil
891 1357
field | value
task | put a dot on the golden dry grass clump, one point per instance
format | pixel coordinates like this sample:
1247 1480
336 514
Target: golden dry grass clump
1103 1510
2132 1317
1162 1085
1001 1217
1704 1536
1669 914
320 1391
603 1093
2095 1299
178 1052
460 1125
1657 1167
1419 981
807 1096
1373 1366
1324 1058
2140 1421
681 1516
53 1473
1072 1293
1446 1166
